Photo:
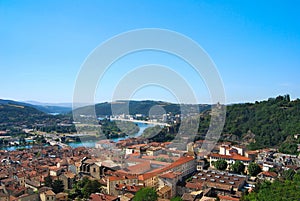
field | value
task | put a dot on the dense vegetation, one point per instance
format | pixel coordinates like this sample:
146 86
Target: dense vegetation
146 194
238 167
220 164
286 189
270 123
14 118
114 129
42 108
135 107
56 185
84 188
254 169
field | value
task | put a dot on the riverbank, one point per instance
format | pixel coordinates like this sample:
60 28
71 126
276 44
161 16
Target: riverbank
141 121
85 141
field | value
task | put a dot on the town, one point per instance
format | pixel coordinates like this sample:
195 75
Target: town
120 170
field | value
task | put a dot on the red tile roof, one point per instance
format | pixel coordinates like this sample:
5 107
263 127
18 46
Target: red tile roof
177 163
269 174
170 175
232 156
227 198
196 186
102 197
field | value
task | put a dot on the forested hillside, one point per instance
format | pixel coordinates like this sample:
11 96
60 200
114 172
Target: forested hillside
271 121
42 108
13 118
135 107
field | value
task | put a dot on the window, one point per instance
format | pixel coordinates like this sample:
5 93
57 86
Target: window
94 169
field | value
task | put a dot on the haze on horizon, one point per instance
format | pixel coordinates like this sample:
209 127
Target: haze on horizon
255 46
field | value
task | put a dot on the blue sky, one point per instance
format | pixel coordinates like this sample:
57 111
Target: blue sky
254 44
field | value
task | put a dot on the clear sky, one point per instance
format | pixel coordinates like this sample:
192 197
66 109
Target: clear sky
254 44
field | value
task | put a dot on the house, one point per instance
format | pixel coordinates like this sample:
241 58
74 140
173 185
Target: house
231 154
103 197
48 195
227 198
267 166
123 189
184 165
96 169
114 181
33 184
165 192
27 197
200 164
154 151
266 175
105 144
68 179
61 197
230 159
55 171
127 197
169 180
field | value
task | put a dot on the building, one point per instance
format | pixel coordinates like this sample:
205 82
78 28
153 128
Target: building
68 179
221 182
170 180
48 195
113 182
103 197
270 176
230 159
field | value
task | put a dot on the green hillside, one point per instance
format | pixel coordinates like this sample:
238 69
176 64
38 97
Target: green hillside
11 114
272 122
16 117
135 107
43 108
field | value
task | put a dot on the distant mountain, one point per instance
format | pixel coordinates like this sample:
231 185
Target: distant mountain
14 117
137 107
11 113
68 105
47 108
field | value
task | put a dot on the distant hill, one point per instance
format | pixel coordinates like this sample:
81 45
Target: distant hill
47 108
14 117
11 113
269 123
135 107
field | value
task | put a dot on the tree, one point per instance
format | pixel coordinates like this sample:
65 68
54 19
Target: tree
84 188
221 164
254 169
48 181
277 191
57 186
238 167
92 186
145 194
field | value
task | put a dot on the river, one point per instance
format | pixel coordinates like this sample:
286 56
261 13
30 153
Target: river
91 143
